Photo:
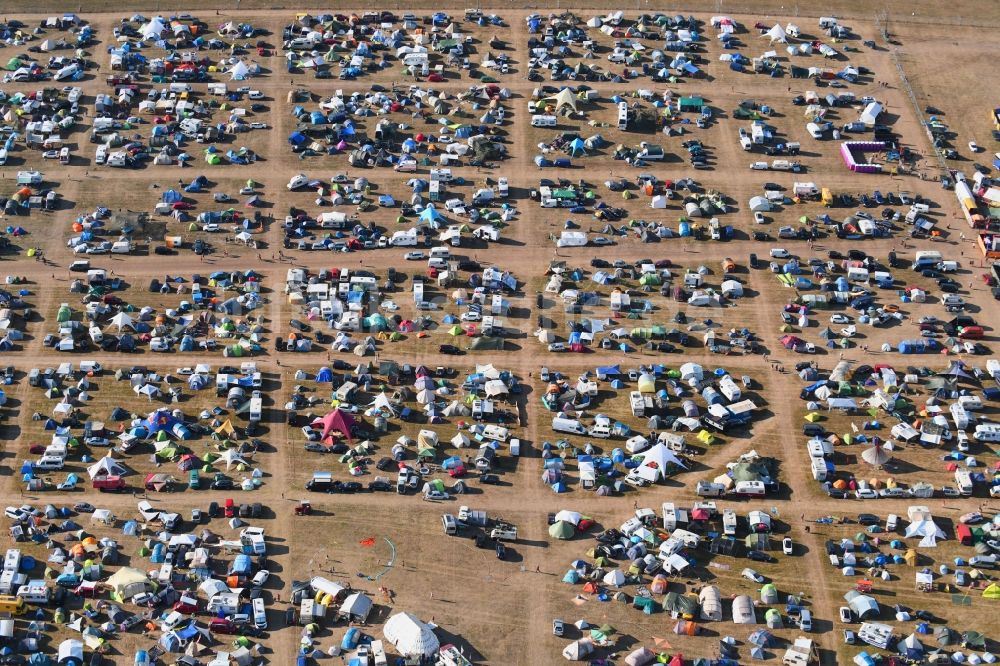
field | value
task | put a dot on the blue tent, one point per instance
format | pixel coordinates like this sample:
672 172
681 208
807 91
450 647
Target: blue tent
559 487
187 344
430 215
576 147
325 375
171 196
571 577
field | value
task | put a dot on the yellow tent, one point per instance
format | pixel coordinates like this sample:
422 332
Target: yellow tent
812 417
910 557
706 437
992 592
561 100
226 428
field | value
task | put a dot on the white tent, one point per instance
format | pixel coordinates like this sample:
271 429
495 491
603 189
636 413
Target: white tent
711 603
759 204
122 320
777 34
425 397
614 578
460 440
148 390
743 612
153 29
356 607
232 457
382 401
578 650
545 336
239 71
107 466
46 45
571 517
659 201
71 650
655 462
495 387
926 529
410 636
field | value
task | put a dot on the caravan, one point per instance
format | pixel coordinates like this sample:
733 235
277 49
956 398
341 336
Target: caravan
623 116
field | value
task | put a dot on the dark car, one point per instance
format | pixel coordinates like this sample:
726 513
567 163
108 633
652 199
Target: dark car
492 479
813 430
837 493
451 350
501 551
759 556
384 463
350 487
379 486
868 519
163 249
599 263
222 483
213 510
482 541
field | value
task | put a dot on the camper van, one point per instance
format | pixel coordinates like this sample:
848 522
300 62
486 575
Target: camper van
543 121
601 427
926 259
623 116
987 432
259 614
729 522
669 516
963 479
567 425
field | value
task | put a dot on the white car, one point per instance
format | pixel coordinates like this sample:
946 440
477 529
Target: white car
865 493
973 146
840 319
787 547
557 347
759 218
752 575
601 240
414 256
185 371
258 125
211 227
780 253
471 316
159 345
255 94
846 616
389 306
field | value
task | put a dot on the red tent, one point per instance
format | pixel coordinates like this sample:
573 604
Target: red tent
678 660
338 420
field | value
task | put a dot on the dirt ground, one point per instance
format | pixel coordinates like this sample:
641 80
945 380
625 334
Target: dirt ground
501 611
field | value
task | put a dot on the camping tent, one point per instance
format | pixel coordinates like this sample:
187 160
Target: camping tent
338 420
410 636
562 100
743 612
127 582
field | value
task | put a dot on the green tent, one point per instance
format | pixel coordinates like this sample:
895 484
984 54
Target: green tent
64 313
455 330
13 64
561 530
437 484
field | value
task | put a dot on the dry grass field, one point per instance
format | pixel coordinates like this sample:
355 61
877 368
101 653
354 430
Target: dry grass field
500 611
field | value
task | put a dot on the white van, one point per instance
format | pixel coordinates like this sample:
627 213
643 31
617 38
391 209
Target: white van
259 616
543 121
891 522
571 426
102 154
963 479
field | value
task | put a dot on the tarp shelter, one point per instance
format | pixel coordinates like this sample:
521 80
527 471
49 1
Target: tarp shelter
410 636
